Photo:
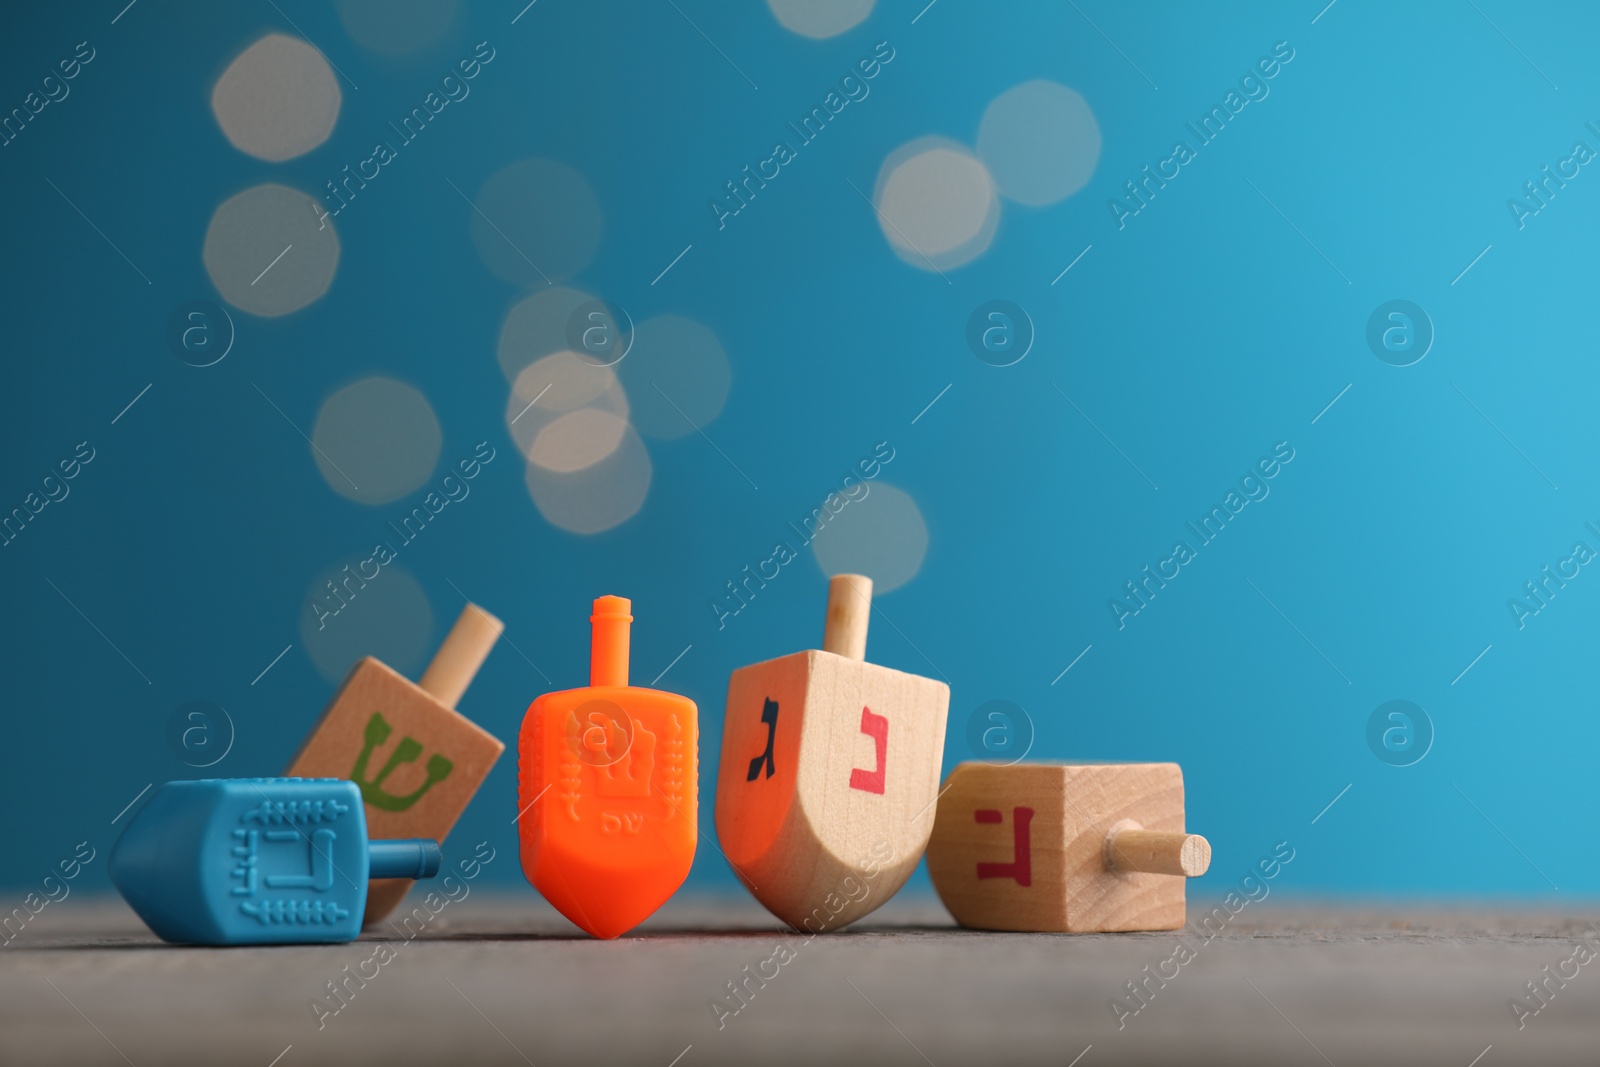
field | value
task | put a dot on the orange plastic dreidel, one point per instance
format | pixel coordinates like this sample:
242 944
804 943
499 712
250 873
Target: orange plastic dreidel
607 781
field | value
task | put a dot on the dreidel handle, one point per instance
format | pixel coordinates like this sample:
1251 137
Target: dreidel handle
608 641
1130 847
849 611
412 857
463 652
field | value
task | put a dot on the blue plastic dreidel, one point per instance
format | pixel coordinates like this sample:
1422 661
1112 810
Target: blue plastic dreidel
258 861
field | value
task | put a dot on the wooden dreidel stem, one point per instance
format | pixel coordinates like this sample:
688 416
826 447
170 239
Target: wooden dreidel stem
849 610
415 759
1130 847
465 648
829 772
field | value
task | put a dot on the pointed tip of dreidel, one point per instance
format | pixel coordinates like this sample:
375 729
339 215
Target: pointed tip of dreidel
255 861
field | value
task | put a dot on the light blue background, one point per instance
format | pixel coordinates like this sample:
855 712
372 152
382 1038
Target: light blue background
1196 338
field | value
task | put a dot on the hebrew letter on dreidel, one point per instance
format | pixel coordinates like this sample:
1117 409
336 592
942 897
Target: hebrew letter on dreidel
769 715
877 728
407 751
1020 869
321 876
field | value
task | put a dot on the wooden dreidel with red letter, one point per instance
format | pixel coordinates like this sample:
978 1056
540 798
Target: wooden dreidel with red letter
417 760
1064 849
616 835
829 772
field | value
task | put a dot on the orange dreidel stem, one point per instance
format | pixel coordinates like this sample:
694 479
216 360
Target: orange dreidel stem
608 641
607 784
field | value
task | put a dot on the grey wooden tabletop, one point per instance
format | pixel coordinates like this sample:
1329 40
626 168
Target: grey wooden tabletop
507 980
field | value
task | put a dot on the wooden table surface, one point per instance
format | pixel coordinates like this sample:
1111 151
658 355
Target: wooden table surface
506 980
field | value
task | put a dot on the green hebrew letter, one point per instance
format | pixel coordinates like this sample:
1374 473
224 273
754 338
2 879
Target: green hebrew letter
406 751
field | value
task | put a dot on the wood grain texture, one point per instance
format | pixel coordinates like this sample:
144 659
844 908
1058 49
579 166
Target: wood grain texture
1023 847
832 826
374 693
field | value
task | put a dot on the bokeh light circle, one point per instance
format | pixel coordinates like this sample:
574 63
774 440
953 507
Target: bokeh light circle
267 252
820 18
881 535
396 27
376 440
537 326
577 440
677 376
361 607
537 222
936 204
1040 142
565 413
598 497
278 99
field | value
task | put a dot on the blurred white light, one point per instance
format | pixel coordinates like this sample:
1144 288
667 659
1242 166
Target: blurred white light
577 440
1040 142
566 413
820 18
598 497
267 252
882 535
936 204
538 326
376 440
278 100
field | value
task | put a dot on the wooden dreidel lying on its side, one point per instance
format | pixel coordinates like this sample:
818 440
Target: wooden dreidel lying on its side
830 769
257 861
606 789
377 729
1066 849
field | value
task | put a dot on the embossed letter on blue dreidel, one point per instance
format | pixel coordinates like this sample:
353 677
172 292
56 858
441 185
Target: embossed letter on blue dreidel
258 861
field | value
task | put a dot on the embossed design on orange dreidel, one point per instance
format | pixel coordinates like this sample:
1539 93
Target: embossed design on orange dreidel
606 789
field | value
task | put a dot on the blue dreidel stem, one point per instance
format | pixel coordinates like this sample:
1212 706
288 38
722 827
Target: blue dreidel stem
258 861
404 857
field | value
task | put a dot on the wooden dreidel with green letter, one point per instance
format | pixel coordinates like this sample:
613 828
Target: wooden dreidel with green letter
829 772
1064 849
416 759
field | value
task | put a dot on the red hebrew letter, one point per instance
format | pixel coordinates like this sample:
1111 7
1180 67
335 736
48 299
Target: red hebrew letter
1021 866
877 728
